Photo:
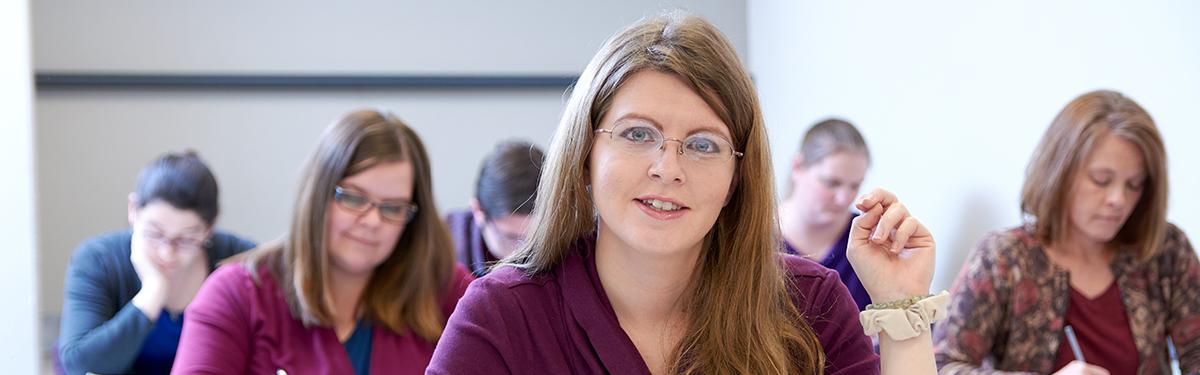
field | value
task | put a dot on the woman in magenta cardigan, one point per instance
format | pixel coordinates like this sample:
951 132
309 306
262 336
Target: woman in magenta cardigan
655 247
362 283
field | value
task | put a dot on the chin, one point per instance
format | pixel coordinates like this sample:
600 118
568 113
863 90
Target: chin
1103 235
359 267
656 242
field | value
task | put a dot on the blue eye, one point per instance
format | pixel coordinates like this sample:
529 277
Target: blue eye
640 134
704 145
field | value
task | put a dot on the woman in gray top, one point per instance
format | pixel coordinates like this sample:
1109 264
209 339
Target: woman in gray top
126 291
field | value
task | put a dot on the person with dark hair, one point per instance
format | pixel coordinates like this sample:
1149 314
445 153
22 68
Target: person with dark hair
496 222
126 291
815 217
362 282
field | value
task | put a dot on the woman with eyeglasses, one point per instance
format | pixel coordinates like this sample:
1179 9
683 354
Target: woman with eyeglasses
496 223
126 291
655 247
362 282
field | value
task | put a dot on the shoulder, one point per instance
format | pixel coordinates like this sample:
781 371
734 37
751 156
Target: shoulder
106 254
109 244
460 279
459 218
814 289
829 309
1009 240
236 274
1176 252
1176 242
1016 247
507 278
235 288
510 287
803 271
226 244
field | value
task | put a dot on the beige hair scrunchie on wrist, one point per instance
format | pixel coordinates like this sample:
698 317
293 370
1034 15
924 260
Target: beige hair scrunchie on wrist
904 324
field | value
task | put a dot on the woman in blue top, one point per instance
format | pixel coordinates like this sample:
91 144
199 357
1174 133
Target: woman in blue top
815 217
126 291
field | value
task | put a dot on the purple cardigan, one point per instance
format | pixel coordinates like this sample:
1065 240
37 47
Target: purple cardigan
469 246
561 322
836 260
237 327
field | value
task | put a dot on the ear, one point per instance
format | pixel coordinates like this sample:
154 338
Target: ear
477 211
132 208
798 163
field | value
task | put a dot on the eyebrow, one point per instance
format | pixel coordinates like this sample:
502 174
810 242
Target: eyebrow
700 129
355 188
192 229
1111 172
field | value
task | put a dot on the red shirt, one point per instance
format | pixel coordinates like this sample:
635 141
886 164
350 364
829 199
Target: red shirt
561 322
237 326
1102 328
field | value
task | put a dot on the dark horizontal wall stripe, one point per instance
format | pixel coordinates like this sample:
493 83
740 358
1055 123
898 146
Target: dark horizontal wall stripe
73 80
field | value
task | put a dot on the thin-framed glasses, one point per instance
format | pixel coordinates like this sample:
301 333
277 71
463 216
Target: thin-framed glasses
392 212
178 243
639 138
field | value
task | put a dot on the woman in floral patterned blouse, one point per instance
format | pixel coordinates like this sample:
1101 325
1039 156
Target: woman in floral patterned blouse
1097 255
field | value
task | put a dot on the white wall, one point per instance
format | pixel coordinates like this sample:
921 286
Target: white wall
17 224
91 143
953 96
360 36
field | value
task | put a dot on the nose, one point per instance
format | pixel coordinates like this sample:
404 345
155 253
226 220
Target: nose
167 251
1119 196
844 196
666 166
372 217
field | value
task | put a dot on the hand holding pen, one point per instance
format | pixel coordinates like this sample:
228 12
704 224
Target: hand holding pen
1079 365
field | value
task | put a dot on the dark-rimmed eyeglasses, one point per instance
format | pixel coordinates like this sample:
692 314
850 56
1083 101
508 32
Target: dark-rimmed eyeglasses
358 203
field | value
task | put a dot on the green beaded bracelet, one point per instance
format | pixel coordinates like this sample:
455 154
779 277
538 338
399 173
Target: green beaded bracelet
902 304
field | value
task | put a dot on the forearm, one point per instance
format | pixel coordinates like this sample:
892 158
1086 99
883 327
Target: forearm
911 356
109 347
957 368
915 356
150 301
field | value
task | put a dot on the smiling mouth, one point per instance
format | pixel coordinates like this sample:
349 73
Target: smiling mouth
660 205
361 240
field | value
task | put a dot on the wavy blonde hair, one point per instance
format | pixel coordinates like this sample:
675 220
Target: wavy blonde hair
741 317
403 293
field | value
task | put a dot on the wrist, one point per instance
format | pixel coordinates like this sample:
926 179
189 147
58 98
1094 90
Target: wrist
150 300
901 303
896 295
904 319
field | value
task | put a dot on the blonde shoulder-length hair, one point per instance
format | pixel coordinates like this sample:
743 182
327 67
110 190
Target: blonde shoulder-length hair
404 291
741 318
1066 146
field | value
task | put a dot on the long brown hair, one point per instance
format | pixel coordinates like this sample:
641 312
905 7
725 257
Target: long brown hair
403 293
1066 146
741 318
